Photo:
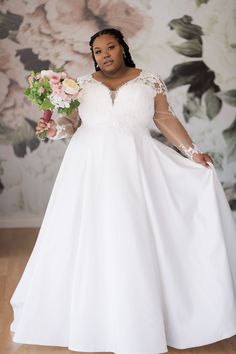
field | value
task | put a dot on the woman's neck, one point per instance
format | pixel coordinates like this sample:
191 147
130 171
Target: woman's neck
117 74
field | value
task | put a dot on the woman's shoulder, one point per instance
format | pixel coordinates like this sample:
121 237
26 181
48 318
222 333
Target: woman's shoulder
82 79
150 75
153 79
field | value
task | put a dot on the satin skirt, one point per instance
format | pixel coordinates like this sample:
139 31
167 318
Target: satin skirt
136 251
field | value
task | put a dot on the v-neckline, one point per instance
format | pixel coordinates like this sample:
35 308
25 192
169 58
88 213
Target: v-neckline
120 86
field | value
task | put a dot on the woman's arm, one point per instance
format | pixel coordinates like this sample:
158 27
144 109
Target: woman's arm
66 126
171 127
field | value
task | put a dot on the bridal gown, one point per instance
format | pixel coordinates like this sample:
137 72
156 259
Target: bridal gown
137 249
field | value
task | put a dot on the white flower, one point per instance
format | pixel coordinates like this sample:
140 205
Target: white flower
59 101
46 73
70 86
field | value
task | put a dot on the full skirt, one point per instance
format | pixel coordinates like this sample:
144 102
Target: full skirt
136 251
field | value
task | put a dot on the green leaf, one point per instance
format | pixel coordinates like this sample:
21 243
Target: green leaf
192 108
9 22
31 61
46 105
200 2
229 135
213 104
228 96
190 48
27 91
70 110
185 29
59 70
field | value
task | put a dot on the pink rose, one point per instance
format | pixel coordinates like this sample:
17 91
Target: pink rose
41 90
63 75
56 89
30 80
55 78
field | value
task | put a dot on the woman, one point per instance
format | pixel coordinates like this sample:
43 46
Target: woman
136 249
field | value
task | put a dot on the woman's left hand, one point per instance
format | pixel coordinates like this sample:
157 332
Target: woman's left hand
203 159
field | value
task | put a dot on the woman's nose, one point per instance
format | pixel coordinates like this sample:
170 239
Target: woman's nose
106 54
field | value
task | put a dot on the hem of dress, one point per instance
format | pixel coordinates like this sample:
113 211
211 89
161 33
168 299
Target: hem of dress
105 348
94 348
208 342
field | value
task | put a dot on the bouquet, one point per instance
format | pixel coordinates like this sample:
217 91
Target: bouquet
52 91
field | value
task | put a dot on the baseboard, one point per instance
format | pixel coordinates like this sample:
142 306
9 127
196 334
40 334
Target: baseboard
20 222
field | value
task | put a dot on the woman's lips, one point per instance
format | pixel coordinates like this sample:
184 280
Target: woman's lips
107 62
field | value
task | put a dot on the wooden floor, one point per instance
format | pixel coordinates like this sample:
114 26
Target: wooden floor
15 248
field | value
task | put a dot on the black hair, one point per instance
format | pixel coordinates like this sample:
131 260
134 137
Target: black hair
120 38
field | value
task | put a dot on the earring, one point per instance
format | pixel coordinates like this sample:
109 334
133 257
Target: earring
96 66
124 55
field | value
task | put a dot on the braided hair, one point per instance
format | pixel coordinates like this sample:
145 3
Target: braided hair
120 38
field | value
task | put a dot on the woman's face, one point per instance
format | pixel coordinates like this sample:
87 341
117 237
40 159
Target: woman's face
108 53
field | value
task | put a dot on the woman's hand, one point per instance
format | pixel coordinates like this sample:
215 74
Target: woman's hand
50 126
203 159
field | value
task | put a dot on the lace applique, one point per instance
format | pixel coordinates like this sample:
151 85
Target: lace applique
66 126
167 121
158 85
81 80
61 131
153 80
190 151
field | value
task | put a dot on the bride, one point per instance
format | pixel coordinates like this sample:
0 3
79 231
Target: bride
136 251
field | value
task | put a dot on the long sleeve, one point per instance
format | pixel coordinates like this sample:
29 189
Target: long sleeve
169 125
66 126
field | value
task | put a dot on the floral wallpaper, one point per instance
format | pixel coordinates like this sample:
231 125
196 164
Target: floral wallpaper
190 43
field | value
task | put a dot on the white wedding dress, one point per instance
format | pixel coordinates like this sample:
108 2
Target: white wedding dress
137 249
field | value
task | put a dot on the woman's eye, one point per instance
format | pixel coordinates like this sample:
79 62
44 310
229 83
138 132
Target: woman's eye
98 51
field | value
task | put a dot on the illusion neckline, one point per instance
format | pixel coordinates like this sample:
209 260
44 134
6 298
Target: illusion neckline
123 84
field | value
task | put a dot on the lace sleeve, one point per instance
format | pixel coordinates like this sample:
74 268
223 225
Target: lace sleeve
169 125
66 126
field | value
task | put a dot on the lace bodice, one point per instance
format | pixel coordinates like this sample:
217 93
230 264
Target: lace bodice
144 77
130 107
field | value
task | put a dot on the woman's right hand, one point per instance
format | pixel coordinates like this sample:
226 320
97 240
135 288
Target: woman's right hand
50 126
